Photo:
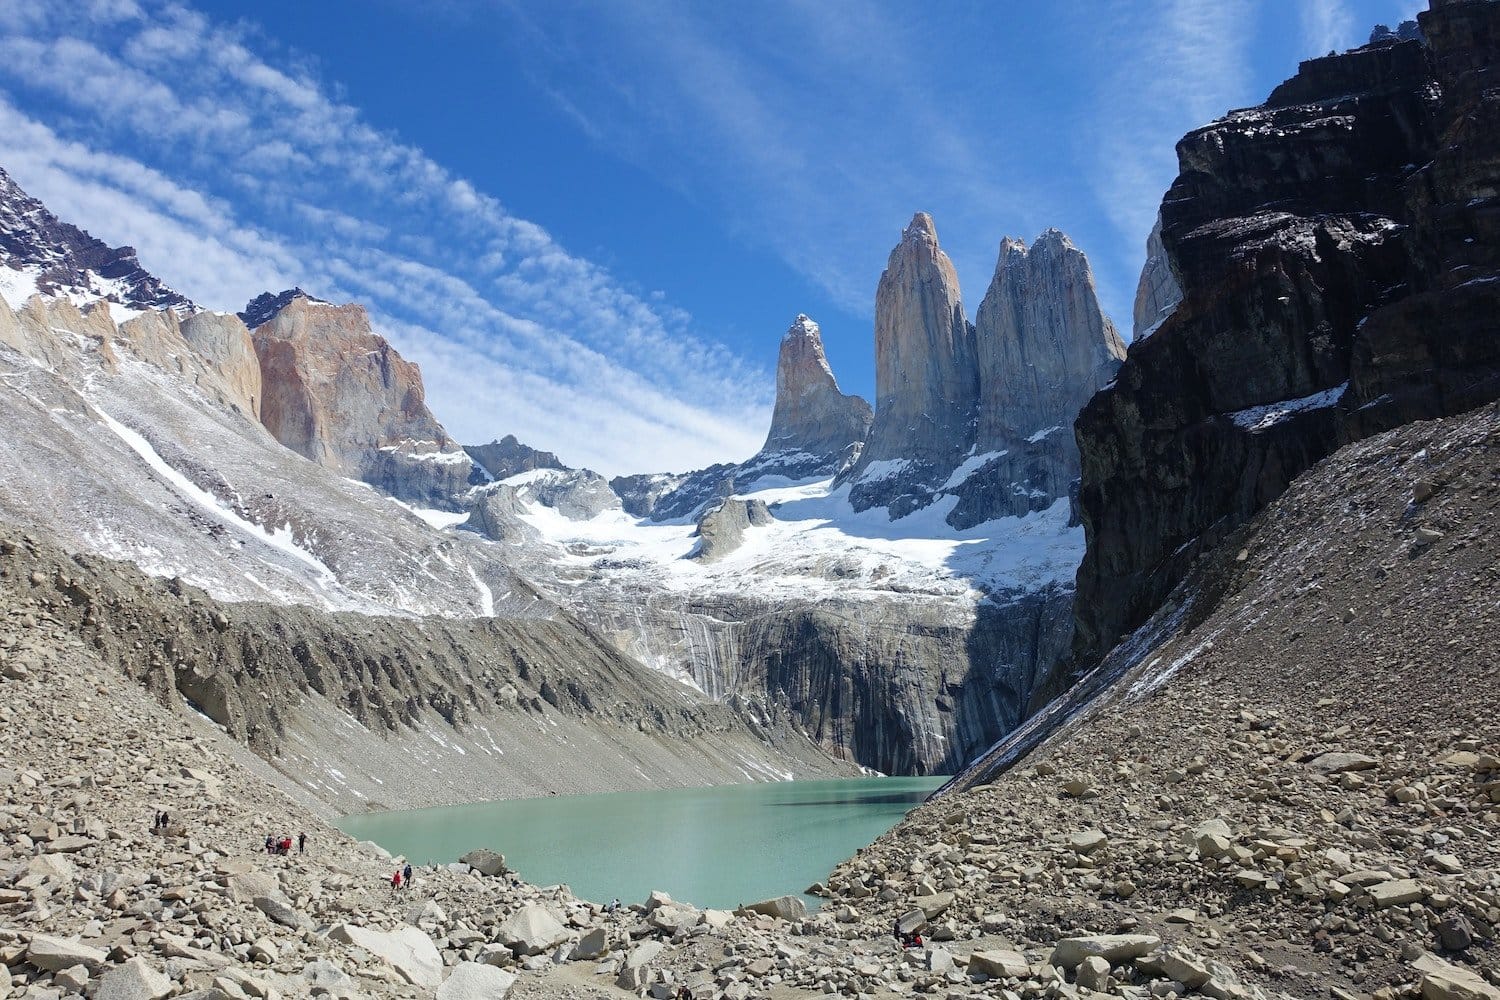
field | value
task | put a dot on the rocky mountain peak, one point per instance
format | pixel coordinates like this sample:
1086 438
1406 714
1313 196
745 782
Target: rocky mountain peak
508 457
1044 344
811 414
56 258
264 307
926 376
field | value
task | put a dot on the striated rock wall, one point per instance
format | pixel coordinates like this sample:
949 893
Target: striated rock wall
335 392
905 685
1337 252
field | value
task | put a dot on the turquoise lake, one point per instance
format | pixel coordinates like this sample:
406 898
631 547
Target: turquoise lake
713 847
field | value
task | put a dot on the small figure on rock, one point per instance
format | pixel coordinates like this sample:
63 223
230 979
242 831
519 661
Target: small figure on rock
270 844
302 843
406 875
396 880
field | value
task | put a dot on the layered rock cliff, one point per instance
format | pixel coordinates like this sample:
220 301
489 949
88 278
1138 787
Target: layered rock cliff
337 393
1339 256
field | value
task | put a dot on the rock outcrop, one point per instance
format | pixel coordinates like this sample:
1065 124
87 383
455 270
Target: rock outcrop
812 417
335 392
1157 293
264 307
1339 255
506 457
722 529
225 341
59 258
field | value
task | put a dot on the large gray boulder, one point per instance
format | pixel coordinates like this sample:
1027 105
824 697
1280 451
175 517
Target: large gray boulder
476 981
407 950
485 861
1113 948
782 907
133 980
531 930
53 954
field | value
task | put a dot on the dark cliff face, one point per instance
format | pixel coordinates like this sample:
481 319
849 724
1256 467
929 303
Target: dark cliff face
65 256
1337 251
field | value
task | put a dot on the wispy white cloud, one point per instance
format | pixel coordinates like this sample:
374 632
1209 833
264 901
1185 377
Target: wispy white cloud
814 130
231 175
1328 26
1186 69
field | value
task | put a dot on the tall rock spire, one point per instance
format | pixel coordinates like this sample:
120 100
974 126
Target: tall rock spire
926 376
1044 344
811 414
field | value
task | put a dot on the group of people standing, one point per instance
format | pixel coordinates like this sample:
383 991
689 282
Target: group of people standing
400 878
283 844
159 823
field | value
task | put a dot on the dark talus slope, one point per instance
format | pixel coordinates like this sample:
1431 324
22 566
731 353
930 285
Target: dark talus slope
1337 249
66 259
1323 686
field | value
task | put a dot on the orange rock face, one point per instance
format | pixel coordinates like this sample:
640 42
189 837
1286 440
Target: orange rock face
339 394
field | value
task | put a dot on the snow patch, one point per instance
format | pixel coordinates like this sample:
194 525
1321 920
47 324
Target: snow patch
970 465
281 539
1267 415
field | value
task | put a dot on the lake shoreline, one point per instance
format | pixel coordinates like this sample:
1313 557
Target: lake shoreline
716 846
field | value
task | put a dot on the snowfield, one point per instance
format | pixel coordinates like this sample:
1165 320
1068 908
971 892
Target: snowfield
819 546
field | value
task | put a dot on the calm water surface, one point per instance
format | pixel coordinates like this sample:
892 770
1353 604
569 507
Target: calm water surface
715 847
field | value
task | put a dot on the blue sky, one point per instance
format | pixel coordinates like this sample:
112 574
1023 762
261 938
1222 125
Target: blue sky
591 222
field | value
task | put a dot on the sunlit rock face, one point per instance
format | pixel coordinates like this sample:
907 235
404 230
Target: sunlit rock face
812 416
337 393
984 411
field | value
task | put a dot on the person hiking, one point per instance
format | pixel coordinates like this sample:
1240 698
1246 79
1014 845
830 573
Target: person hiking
164 821
396 880
406 874
270 844
302 843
